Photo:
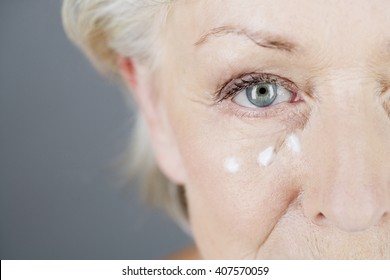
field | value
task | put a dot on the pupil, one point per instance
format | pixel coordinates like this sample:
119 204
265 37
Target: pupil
263 90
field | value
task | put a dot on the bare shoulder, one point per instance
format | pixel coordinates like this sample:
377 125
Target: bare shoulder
188 253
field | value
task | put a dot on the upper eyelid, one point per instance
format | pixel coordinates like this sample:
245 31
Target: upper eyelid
230 88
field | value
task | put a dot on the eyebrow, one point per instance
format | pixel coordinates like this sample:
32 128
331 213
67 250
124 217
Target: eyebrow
262 39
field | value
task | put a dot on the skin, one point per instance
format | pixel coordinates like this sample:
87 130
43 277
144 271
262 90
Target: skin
330 201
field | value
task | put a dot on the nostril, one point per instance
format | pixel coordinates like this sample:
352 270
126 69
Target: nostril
320 216
320 219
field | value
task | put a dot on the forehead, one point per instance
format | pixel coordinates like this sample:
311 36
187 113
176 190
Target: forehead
338 25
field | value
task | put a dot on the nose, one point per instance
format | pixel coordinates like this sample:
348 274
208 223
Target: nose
347 182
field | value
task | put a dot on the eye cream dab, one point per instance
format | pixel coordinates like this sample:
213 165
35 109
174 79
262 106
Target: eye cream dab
266 157
231 165
293 143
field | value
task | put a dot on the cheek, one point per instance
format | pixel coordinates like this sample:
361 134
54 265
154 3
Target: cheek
240 181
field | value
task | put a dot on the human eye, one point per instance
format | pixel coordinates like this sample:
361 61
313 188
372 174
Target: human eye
262 95
258 94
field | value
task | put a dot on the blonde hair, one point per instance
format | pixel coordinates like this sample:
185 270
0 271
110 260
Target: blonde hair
106 29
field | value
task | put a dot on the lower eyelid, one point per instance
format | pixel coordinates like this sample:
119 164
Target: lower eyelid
277 110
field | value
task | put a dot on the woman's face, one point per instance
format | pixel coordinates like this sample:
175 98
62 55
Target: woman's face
279 111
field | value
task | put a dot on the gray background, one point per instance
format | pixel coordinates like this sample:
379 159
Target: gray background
62 128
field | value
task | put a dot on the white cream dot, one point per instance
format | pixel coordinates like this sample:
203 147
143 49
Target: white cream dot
231 165
293 143
266 157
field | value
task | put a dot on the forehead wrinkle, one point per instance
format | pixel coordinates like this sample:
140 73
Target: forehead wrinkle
260 38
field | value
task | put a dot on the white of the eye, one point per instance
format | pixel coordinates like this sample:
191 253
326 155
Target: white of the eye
283 95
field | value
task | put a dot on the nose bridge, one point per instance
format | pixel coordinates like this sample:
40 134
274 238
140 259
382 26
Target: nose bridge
355 125
355 130
348 180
